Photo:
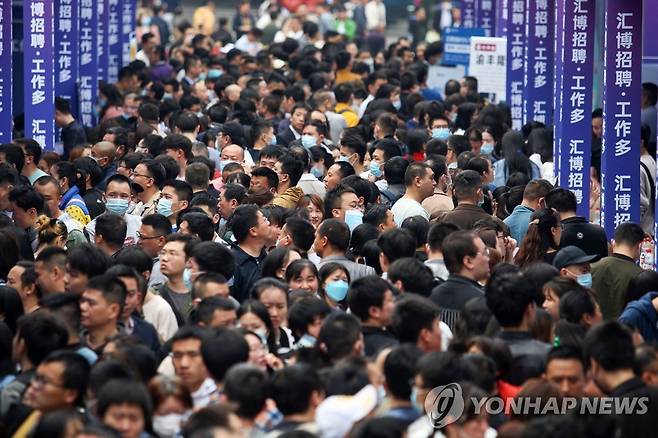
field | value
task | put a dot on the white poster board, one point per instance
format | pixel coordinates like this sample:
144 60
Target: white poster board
438 75
488 63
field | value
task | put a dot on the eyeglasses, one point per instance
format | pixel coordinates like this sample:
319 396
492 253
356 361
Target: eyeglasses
485 252
41 380
139 174
142 237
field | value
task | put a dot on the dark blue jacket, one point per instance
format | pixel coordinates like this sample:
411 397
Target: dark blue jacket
642 316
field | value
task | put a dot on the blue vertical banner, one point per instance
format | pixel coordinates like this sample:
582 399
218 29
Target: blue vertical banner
516 42
538 78
66 52
486 16
469 13
501 11
620 177
88 53
113 40
5 72
128 11
101 39
573 123
39 72
558 76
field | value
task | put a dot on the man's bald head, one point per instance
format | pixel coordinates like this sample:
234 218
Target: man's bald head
233 152
104 153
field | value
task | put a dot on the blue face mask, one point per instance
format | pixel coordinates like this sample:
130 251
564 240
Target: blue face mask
397 104
441 133
273 141
414 402
337 290
585 280
223 163
126 116
343 158
102 103
164 207
214 73
375 169
117 206
187 278
487 149
353 218
308 141
202 76
317 172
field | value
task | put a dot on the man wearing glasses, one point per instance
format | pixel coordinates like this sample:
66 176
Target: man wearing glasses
148 175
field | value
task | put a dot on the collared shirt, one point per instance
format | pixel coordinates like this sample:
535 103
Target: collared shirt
438 202
247 272
202 396
144 209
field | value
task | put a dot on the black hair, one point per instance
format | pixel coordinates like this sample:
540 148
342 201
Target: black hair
441 368
304 313
295 269
415 276
72 174
292 387
199 224
76 372
112 228
508 296
437 233
366 292
274 261
13 155
223 349
88 259
183 189
207 307
292 167
412 314
338 334
399 370
269 174
611 345
455 247
360 186
158 222
575 304
629 234
337 233
640 284
125 391
302 233
243 219
248 387
561 200
213 257
26 197
376 215
42 333
567 352
11 307
397 243
112 289
178 142
418 226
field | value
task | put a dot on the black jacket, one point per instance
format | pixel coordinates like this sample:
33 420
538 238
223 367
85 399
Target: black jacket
376 339
73 135
528 356
286 137
247 272
452 295
633 426
590 238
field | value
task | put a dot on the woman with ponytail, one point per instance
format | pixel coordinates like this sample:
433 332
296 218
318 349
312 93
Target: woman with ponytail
72 187
50 232
542 240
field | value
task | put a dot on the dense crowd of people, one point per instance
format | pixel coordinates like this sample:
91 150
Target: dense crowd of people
278 228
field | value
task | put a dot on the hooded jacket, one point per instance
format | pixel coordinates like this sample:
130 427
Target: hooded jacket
642 316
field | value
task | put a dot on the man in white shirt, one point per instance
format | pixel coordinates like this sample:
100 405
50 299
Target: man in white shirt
117 200
419 184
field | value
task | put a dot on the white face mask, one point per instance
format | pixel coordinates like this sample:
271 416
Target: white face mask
168 425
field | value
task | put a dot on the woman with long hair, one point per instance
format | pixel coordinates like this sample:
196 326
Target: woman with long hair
514 161
542 240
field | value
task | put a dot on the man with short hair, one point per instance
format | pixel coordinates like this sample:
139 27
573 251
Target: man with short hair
32 151
353 150
419 183
176 290
152 237
646 360
179 148
251 230
340 200
110 233
467 188
467 259
371 299
289 170
82 263
176 197
511 299
416 321
332 239
101 306
246 386
148 175
73 133
215 312
567 370
435 237
533 199
440 201
262 134
399 373
611 275
26 205
50 269
23 278
189 364
117 201
380 216
576 230
609 349
395 244
336 173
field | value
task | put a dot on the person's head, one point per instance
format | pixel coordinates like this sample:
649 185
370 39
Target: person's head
409 274
253 316
102 302
249 224
371 300
289 170
173 258
197 225
273 294
153 232
50 269
221 350
435 237
125 405
566 368
352 149
649 94
37 335
580 307
247 386
297 390
178 147
609 349
60 382
399 371
419 180
306 316
332 236
231 196
104 153
467 187
640 284
466 254
186 356
395 244
302 275
416 321
544 233
627 240
436 369
214 311
379 216
563 201
341 337
535 192
511 299
26 205
176 196
23 278
575 264
32 151
339 200
646 364
83 262
111 232
337 172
